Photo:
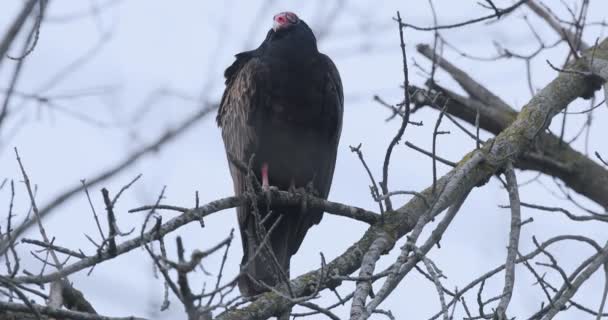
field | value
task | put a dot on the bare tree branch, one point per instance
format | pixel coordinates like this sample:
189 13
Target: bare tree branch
15 28
513 247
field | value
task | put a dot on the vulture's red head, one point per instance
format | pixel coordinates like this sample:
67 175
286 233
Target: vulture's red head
284 20
289 36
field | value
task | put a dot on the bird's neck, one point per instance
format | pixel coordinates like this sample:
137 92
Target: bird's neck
292 52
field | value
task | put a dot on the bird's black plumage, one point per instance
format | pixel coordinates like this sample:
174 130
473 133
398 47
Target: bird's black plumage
283 103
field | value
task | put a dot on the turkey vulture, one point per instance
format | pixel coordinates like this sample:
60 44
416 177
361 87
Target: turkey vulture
282 108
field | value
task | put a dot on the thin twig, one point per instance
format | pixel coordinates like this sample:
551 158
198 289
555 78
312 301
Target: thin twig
404 122
513 247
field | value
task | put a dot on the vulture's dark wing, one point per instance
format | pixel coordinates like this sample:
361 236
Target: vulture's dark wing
239 101
334 104
332 101
241 97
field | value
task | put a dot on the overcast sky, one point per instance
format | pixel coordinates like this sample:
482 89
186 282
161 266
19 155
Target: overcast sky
184 46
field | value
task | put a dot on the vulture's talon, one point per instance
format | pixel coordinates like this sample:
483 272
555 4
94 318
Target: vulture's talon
310 189
304 204
268 190
303 193
292 189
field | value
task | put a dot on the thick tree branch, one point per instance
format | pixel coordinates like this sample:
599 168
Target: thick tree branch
196 214
368 265
548 155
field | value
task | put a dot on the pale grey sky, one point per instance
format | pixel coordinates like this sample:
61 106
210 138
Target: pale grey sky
185 46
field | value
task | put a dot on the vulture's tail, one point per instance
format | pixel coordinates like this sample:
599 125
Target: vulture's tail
260 265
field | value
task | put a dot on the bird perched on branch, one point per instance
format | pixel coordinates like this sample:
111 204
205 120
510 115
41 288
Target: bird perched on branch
282 108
